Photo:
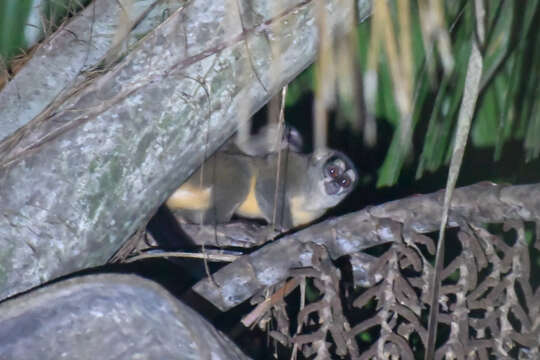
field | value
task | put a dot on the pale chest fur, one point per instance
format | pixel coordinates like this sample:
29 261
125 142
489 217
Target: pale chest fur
299 206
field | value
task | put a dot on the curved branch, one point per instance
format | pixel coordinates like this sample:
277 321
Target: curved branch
393 221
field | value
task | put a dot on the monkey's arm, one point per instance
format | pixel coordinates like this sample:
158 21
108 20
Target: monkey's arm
270 139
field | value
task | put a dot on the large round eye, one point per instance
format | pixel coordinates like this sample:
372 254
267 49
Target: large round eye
332 170
344 181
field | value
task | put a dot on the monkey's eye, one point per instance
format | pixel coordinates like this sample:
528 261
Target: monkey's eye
344 181
332 170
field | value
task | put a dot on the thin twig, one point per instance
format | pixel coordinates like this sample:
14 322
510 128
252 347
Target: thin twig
263 307
180 254
281 120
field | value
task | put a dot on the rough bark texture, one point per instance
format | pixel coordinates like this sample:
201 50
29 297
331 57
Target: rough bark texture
66 58
75 184
396 220
107 317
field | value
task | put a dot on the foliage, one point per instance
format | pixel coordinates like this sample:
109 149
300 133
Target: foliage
24 22
13 15
508 106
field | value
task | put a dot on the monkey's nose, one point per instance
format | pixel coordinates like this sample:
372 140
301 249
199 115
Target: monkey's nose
331 187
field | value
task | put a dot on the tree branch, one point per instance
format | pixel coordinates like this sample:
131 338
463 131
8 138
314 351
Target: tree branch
394 221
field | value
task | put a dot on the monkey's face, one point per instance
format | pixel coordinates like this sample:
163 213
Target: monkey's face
337 176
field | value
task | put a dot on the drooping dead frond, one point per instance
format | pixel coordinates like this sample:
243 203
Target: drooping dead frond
488 287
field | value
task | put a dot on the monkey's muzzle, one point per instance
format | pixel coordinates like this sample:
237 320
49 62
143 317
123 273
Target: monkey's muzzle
332 187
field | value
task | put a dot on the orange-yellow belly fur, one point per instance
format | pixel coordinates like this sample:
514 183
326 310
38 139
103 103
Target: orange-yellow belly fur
250 207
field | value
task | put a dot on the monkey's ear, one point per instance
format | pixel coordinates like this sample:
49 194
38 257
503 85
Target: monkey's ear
293 138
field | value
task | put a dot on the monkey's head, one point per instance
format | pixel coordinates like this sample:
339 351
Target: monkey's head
335 178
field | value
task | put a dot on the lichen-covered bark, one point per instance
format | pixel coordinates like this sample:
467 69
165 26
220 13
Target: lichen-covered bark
76 183
66 58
